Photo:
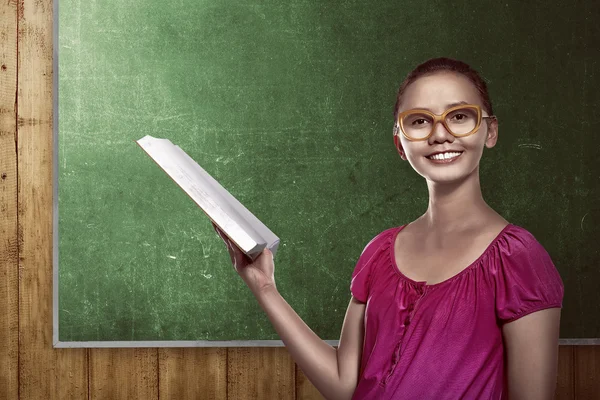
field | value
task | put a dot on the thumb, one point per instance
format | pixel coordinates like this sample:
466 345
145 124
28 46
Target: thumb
267 252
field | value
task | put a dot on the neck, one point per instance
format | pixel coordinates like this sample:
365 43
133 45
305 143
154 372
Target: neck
455 206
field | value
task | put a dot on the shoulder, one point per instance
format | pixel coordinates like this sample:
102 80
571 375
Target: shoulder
517 240
521 258
381 238
375 246
525 278
363 271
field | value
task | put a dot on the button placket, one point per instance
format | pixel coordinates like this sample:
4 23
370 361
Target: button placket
396 354
411 306
395 359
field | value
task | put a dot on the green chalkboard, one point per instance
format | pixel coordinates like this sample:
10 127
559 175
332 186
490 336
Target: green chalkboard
290 106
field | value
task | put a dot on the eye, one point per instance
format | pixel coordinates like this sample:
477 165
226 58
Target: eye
419 121
462 116
459 117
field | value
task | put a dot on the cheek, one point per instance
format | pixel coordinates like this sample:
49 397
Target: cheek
413 150
475 141
415 155
475 150
477 144
474 146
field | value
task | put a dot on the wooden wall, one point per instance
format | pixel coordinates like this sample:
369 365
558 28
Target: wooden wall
29 367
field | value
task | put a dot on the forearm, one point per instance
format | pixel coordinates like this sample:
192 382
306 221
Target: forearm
317 359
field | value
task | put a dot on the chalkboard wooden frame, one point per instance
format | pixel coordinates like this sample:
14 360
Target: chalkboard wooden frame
67 344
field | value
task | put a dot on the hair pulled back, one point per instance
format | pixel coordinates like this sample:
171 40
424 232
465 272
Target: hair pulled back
443 64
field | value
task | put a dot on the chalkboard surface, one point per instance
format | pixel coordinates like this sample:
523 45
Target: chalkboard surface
289 105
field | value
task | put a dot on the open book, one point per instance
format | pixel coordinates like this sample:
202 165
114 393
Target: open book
239 224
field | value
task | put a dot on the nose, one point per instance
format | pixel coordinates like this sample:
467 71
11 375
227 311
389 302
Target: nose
440 134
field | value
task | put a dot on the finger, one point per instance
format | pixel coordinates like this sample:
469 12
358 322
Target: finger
221 234
239 254
216 228
233 247
231 256
230 250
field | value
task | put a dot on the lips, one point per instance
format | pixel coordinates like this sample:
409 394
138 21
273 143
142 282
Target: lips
444 157
443 151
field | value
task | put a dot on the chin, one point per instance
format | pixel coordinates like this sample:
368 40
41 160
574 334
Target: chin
446 178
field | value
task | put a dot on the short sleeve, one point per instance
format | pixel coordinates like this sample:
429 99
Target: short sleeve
526 281
363 271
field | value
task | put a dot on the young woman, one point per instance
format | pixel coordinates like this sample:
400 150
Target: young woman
458 304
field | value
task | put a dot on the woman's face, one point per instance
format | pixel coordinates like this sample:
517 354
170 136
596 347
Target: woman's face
436 93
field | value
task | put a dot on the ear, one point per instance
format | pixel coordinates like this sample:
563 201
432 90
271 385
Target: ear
492 133
399 147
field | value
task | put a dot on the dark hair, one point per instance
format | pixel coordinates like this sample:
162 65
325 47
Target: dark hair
443 64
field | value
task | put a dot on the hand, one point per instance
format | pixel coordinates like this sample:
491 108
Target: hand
258 275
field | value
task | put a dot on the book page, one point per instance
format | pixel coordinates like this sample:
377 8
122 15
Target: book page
237 222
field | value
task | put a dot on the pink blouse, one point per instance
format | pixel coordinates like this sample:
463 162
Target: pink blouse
444 341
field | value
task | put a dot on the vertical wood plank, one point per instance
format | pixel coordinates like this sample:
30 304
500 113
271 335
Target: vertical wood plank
44 373
9 253
587 372
304 389
193 373
123 374
260 373
564 382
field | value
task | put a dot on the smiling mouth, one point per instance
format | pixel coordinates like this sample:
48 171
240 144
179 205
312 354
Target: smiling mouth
445 157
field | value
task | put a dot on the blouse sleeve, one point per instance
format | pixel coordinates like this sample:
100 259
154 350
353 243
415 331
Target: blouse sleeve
361 277
526 281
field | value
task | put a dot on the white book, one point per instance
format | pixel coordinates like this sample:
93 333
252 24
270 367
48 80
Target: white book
224 210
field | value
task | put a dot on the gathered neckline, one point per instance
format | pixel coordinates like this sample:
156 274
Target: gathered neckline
424 283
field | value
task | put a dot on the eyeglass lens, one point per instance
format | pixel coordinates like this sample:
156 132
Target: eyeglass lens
419 125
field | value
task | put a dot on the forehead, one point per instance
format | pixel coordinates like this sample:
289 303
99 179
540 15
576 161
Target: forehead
436 91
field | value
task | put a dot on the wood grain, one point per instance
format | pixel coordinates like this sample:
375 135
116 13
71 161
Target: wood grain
9 253
304 389
260 373
41 372
44 373
123 374
587 372
564 383
193 373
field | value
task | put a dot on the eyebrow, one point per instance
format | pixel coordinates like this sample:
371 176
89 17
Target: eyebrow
458 103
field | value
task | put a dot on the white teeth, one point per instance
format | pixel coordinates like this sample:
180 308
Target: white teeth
444 156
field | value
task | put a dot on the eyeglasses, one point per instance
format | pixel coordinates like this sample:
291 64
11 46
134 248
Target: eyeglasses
462 120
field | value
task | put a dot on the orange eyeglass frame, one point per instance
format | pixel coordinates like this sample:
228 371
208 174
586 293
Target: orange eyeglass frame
436 118
441 119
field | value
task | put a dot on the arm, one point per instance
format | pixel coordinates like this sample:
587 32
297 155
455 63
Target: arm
531 344
333 372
